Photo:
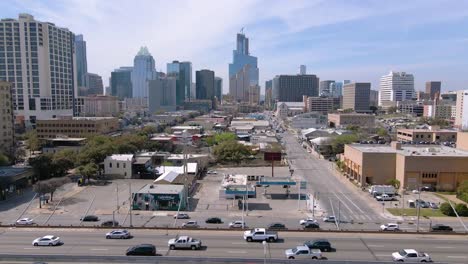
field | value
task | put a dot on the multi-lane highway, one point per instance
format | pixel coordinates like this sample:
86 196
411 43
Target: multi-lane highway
229 244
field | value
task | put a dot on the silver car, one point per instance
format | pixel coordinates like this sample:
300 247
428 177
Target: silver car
48 240
190 224
121 234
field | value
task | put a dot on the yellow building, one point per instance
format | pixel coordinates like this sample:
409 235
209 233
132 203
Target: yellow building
441 167
462 140
76 126
340 120
418 135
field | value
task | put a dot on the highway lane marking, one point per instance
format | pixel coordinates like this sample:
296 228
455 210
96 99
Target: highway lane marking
31 248
99 249
375 245
239 243
382 255
237 252
443 247
457 257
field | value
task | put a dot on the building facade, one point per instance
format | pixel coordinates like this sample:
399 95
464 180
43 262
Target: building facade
182 72
94 84
342 120
162 95
269 94
39 60
7 132
323 105
396 87
324 87
144 69
336 89
219 88
78 127
119 165
121 83
373 98
356 96
100 106
292 88
461 116
426 135
433 89
81 60
205 85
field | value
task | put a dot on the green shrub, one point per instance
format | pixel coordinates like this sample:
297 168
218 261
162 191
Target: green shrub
461 209
446 209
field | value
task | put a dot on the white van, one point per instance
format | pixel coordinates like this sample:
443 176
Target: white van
411 204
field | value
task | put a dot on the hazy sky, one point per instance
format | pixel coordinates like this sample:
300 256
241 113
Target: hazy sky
351 39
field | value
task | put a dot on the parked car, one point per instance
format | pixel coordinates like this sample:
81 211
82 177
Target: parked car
212 172
308 220
142 250
276 226
90 218
48 240
237 224
110 223
390 227
433 205
310 226
303 252
322 244
25 221
121 234
330 218
214 220
441 228
384 197
260 234
181 216
410 255
190 224
421 204
184 242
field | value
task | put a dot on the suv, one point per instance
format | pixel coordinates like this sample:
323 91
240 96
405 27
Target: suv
322 244
441 228
214 220
311 226
276 226
390 227
142 250
90 218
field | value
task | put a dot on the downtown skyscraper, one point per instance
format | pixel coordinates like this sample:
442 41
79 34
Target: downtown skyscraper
182 72
396 87
243 71
39 60
81 60
144 70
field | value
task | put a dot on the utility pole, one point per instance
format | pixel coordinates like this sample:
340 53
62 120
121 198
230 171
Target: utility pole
131 202
117 194
418 204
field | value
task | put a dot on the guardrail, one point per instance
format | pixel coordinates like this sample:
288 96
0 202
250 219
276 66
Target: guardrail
402 232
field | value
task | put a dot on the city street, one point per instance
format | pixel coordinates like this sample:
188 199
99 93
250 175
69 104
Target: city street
230 244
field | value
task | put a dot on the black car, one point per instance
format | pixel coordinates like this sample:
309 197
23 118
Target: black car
90 218
441 227
310 225
214 220
109 223
277 226
322 244
142 250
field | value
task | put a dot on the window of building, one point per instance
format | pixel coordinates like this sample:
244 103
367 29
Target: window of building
110 164
118 165
429 175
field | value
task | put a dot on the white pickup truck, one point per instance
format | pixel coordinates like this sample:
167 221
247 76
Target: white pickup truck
260 234
303 252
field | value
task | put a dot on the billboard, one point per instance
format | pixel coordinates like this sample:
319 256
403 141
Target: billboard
272 156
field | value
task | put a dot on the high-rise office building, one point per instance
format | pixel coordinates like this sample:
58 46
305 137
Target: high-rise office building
205 82
144 69
81 60
461 112
38 59
121 83
94 84
269 94
241 58
292 88
219 88
7 132
182 72
433 89
324 87
302 70
396 87
374 98
356 96
162 94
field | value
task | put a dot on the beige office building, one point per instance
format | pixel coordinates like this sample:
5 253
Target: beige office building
79 127
342 120
462 140
323 105
6 119
100 106
441 167
356 96
426 135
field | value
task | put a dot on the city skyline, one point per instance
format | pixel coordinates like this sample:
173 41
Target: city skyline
325 36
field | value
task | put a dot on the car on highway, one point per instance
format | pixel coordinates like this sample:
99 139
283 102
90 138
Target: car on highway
181 216
276 226
25 221
120 234
90 218
48 240
110 223
322 244
190 224
308 220
260 234
410 255
214 220
185 242
142 250
330 218
311 226
303 252
390 227
237 224
441 228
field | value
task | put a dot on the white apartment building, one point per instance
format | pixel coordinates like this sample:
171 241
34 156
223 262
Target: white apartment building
119 165
396 87
461 116
38 58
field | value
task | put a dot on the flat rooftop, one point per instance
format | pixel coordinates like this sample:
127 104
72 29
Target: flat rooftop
66 139
162 188
412 150
426 130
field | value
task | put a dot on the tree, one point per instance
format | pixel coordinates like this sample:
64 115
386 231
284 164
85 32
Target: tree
461 209
4 160
224 137
338 142
42 166
63 161
32 141
394 182
382 132
41 188
446 209
231 151
88 170
462 191
392 110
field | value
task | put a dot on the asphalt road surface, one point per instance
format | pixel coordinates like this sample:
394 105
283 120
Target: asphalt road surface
230 244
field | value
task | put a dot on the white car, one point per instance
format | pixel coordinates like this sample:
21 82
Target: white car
212 172
390 227
25 221
330 218
48 240
237 224
306 221
190 224
118 234
411 255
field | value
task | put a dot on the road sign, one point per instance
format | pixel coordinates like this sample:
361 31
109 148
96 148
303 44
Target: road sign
303 185
269 156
